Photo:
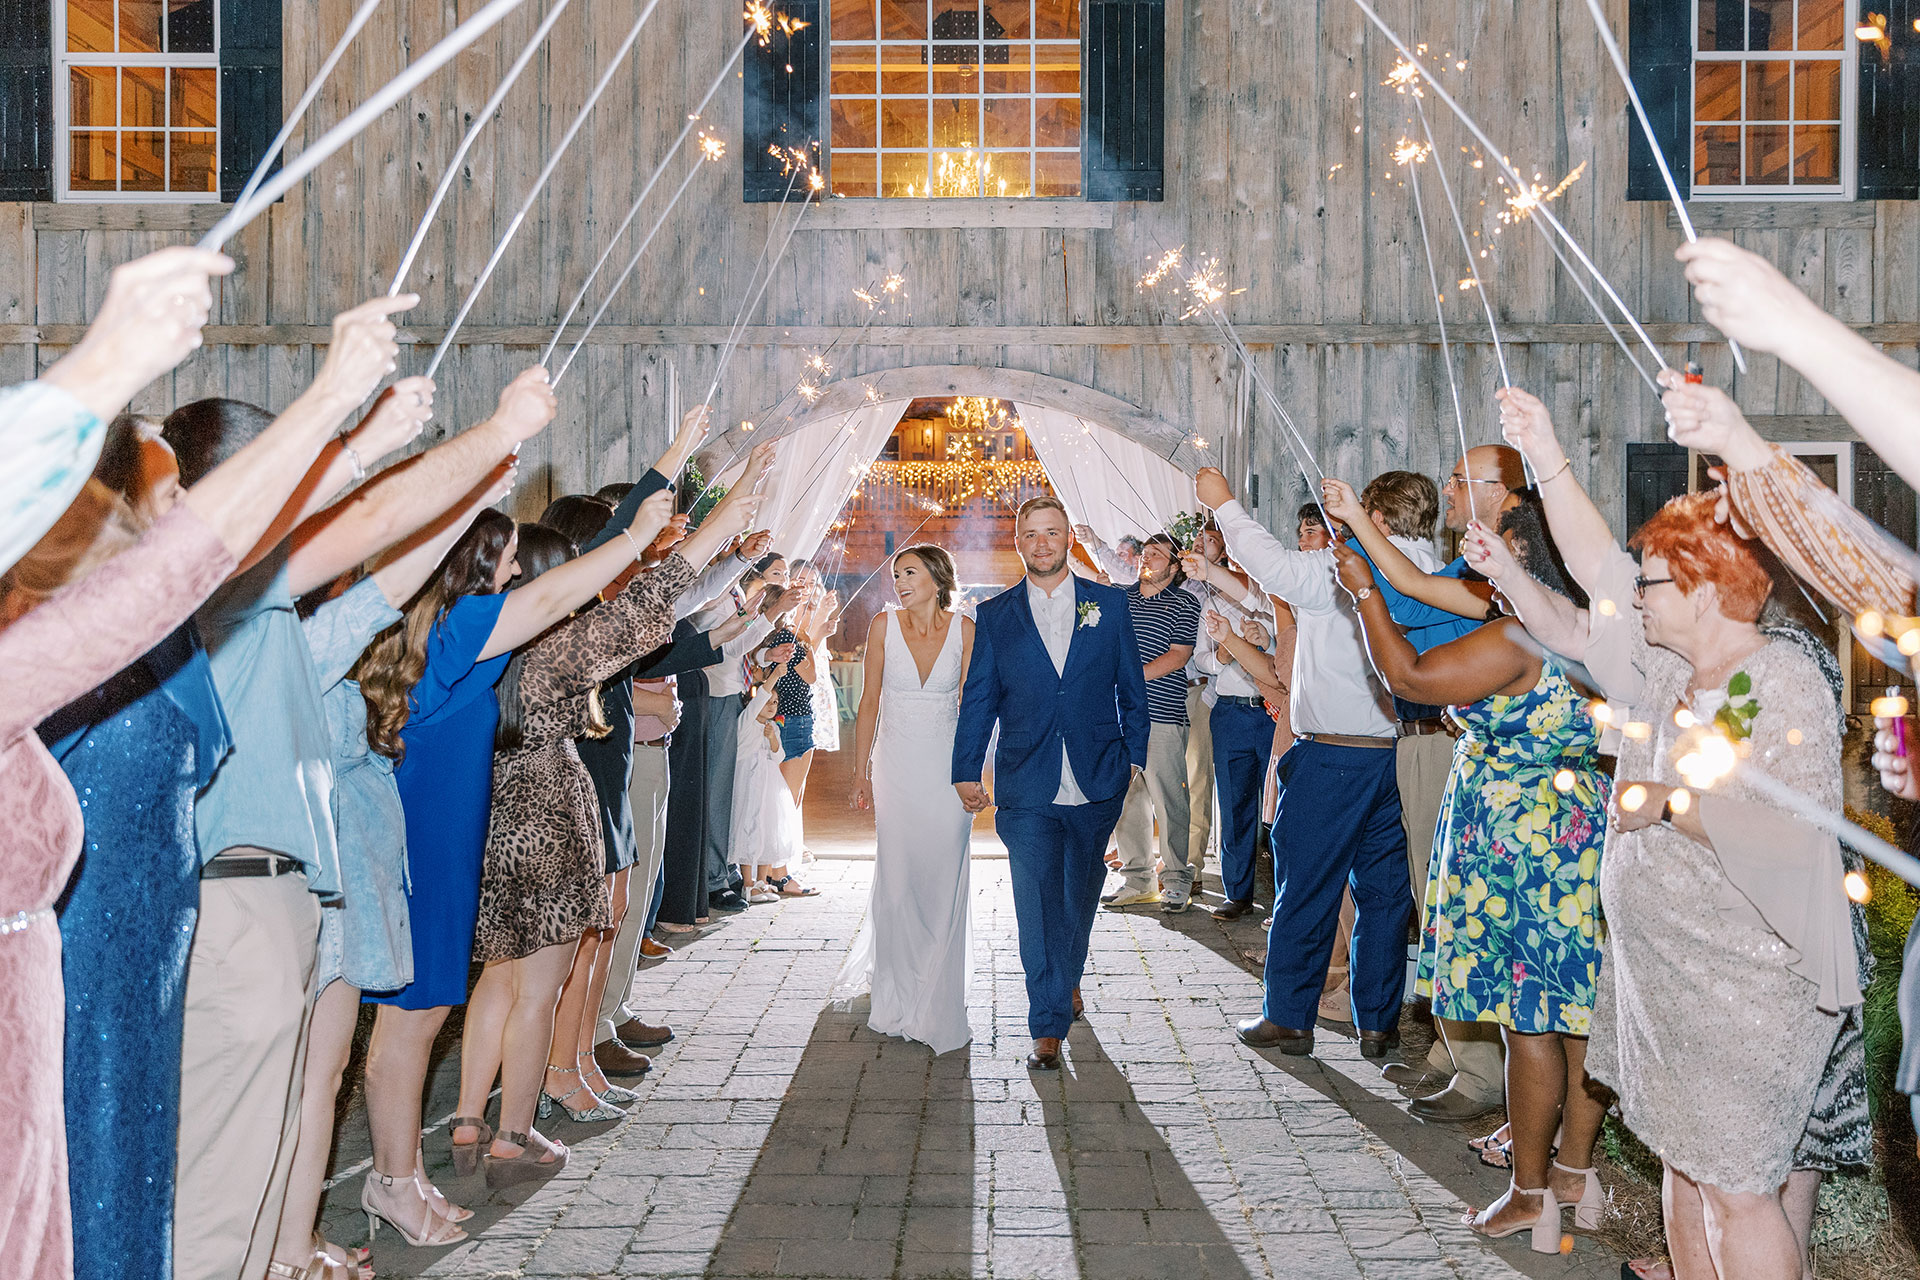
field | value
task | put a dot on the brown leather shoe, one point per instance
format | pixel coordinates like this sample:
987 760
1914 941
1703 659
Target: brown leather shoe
1450 1106
1232 909
1258 1033
617 1059
1079 1006
1045 1055
641 1035
654 950
1415 1082
1375 1044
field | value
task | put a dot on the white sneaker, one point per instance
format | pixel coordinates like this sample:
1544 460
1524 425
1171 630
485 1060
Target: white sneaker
1175 903
1125 897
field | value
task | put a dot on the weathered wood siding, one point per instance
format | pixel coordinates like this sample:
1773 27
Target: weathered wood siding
1278 134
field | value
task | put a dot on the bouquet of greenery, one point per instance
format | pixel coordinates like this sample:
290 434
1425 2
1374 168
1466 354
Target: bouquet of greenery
692 481
1185 527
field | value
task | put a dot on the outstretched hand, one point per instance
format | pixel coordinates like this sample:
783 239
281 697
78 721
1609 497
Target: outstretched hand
149 321
1745 297
527 405
396 420
1528 427
1355 574
1211 488
1487 553
1706 418
363 349
1340 501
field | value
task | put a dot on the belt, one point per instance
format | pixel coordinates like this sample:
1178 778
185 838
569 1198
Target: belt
250 865
1425 728
24 920
667 740
1239 700
1348 740
1198 682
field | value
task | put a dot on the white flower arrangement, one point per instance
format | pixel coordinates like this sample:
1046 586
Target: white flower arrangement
1089 614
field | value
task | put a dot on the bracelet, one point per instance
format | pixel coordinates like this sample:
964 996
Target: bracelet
632 542
359 470
1565 465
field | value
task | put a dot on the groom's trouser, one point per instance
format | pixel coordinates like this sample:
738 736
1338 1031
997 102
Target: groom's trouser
1338 826
1057 858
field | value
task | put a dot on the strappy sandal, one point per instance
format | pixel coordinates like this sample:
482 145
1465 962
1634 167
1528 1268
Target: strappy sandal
328 1262
466 1155
532 1164
600 1109
435 1231
780 887
1543 1229
613 1093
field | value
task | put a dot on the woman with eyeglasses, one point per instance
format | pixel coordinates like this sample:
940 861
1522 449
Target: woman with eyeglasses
1729 953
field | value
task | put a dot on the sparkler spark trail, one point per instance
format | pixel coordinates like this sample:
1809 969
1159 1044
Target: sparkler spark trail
646 189
1410 154
467 139
1653 143
1460 226
815 183
357 21
539 183
311 158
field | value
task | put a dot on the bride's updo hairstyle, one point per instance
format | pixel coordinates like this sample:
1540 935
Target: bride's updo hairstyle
939 566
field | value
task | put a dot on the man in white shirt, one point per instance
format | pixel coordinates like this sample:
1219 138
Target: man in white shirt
1339 818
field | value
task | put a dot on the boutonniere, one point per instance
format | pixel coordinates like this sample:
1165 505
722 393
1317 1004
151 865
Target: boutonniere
1736 716
1089 614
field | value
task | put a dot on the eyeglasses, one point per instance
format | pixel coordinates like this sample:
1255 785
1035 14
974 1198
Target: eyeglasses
1641 582
1454 482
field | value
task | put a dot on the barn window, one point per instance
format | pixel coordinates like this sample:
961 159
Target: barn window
1773 90
137 99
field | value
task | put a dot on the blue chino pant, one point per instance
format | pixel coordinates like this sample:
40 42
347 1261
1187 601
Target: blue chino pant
1242 749
1338 826
1057 858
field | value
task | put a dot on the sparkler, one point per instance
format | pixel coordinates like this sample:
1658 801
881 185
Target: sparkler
357 21
938 510
1653 144
1409 154
467 139
311 158
646 189
815 184
539 184
1466 244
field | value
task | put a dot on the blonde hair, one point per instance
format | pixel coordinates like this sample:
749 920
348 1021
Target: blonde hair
1041 502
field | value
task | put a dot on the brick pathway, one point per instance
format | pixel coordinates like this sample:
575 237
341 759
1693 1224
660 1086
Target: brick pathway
779 1137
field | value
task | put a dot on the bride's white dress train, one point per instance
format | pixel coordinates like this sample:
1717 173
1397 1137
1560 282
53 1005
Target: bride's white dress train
915 950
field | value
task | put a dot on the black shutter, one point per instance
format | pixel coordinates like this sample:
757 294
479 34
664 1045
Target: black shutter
1660 59
1889 147
1655 473
249 88
782 86
1125 63
26 100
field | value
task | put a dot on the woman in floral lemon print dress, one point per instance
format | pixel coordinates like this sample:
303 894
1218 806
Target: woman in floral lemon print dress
1511 920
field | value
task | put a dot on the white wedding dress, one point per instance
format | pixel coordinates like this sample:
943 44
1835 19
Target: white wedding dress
915 950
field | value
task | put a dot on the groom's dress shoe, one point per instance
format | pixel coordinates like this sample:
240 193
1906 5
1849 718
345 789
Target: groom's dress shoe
1415 1082
1045 1055
1374 1044
1450 1106
1079 1006
1232 909
1258 1033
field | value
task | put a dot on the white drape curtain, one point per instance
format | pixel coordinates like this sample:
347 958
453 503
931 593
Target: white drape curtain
815 471
1107 481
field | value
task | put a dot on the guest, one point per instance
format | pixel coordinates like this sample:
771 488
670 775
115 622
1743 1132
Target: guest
792 683
1202 669
1120 562
1687 985
1239 653
1510 931
1339 818
1166 624
1310 528
765 820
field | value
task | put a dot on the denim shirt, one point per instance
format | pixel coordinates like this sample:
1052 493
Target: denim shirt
275 791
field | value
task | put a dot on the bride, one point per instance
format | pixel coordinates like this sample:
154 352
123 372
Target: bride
915 951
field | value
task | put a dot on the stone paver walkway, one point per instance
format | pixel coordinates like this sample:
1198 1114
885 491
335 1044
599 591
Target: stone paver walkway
777 1136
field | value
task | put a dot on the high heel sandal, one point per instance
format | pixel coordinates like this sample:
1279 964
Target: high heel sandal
529 1165
1545 1228
436 1198
434 1232
601 1110
466 1155
613 1093
1592 1201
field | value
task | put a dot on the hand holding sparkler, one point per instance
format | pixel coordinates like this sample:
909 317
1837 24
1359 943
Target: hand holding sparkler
1211 488
1195 566
1352 570
527 405
1340 501
1527 426
1254 632
650 520
1890 747
755 545
1747 298
1707 419
363 350
397 418
1217 627
1487 553
693 431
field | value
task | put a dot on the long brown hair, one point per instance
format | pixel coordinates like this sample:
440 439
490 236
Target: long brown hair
101 523
541 549
397 658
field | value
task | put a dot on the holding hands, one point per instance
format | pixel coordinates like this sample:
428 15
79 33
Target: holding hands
973 796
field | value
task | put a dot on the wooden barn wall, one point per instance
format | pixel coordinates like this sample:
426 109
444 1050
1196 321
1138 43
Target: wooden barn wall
1278 134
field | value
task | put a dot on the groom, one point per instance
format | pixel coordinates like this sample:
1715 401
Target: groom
1055 666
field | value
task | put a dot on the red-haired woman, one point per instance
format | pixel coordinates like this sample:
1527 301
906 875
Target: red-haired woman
1729 953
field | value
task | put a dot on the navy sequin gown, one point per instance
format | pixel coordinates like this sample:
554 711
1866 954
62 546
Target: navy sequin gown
136 749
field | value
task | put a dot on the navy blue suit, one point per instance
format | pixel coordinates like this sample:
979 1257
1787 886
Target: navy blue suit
1097 708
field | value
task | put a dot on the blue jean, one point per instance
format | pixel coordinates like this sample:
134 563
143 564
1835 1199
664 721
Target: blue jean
1242 749
796 737
1338 826
1057 859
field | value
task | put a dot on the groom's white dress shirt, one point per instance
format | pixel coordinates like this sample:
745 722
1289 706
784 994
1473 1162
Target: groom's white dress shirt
1053 617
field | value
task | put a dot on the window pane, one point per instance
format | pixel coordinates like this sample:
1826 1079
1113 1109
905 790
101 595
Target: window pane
90 26
903 175
851 20
143 98
956 173
856 174
1009 122
1009 19
956 20
903 19
855 123
1057 20
1816 90
90 90
93 162
140 26
1767 91
1056 122
1716 91
956 67
1716 156
1816 154
1007 174
1059 173
193 93
1768 154
1011 71
1823 24
1056 70
190 26
853 76
1770 24
903 69
956 122
903 123
191 165
143 161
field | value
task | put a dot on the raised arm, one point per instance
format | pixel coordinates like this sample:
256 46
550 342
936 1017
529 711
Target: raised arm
1301 578
1484 661
1746 298
595 645
408 495
1253 661
867 721
1579 531
533 607
1552 619
404 569
1450 597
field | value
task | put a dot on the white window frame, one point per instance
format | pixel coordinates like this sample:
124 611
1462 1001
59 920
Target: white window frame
64 61
880 151
1849 58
